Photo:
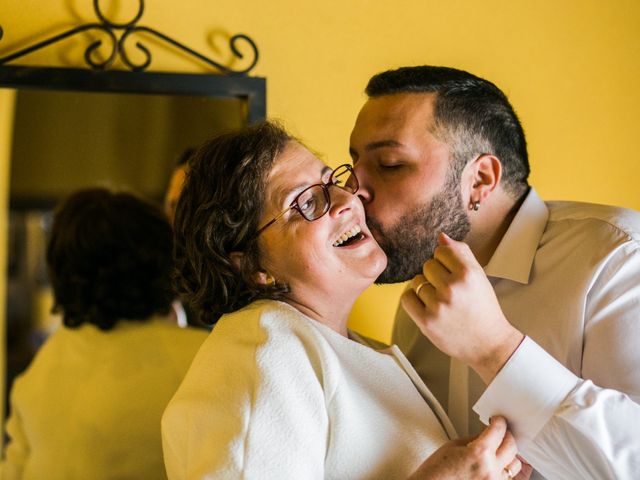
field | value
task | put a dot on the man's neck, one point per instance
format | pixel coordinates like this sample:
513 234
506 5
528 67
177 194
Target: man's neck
491 222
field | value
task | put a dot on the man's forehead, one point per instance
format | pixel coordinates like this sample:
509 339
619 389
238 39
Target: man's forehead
394 113
392 122
400 104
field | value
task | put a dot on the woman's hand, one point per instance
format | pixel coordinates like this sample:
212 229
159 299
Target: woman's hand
454 305
488 456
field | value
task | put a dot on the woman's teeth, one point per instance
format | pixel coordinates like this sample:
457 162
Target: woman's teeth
347 235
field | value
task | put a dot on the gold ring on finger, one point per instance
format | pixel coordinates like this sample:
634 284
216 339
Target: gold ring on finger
420 286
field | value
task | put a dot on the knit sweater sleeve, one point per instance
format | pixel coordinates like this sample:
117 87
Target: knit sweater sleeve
253 404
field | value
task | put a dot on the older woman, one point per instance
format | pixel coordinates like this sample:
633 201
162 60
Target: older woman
275 241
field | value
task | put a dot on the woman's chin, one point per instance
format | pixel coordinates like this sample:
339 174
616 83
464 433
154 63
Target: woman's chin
381 262
376 265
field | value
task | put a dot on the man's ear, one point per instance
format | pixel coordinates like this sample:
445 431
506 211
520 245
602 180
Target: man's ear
484 175
260 277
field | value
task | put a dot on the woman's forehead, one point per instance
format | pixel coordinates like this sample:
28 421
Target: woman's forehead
296 157
295 168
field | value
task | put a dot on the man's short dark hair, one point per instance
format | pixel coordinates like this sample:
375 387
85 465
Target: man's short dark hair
109 259
471 115
218 214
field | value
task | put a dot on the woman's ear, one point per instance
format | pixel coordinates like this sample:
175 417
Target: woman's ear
260 277
236 259
263 278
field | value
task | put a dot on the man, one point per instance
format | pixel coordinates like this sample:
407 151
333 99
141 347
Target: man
440 150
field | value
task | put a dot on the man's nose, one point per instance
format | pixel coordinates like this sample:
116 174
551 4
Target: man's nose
364 190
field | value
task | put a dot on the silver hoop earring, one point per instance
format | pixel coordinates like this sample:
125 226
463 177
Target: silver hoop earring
475 206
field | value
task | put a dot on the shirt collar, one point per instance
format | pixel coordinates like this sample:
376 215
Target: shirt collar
513 258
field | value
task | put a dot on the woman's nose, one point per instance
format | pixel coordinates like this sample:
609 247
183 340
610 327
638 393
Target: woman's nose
342 200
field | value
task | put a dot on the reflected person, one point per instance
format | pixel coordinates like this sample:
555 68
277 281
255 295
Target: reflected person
184 316
176 182
90 403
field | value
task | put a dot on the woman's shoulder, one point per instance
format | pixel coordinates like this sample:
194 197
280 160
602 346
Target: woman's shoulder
368 341
267 343
279 329
265 333
264 319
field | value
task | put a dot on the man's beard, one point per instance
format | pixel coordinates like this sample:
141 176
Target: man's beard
414 237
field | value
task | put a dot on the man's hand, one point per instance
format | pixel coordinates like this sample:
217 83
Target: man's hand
454 305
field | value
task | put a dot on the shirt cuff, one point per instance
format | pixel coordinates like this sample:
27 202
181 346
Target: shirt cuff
527 390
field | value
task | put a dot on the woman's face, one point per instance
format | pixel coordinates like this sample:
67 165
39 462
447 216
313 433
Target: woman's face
305 254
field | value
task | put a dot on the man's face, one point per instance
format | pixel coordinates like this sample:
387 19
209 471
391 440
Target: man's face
408 193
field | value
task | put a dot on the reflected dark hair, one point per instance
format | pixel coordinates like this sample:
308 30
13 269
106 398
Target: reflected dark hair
471 115
110 259
184 157
218 213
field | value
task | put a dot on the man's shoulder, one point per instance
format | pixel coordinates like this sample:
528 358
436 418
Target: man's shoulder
625 220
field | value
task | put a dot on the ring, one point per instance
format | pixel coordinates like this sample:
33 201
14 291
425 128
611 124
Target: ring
420 286
508 472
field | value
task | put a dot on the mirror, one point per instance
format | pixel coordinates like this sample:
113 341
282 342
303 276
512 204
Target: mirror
76 128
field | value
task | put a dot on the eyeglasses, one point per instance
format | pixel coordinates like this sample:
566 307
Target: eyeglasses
314 201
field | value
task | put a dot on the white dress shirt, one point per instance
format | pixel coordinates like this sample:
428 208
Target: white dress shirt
568 276
273 394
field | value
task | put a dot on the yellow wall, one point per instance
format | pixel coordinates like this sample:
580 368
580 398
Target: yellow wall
6 98
570 67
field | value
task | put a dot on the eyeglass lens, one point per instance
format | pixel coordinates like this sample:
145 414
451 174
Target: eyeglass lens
314 202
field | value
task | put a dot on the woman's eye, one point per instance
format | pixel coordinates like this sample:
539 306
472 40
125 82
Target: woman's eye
308 205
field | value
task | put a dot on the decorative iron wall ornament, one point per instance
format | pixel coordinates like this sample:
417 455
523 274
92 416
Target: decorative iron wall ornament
119 47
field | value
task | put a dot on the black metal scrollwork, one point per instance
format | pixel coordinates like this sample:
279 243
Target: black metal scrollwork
119 47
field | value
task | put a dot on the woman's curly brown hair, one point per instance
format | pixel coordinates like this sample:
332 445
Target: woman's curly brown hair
218 214
110 259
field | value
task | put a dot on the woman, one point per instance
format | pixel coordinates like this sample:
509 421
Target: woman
90 403
272 238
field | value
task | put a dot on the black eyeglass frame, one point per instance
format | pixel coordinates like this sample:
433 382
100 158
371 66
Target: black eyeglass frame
351 186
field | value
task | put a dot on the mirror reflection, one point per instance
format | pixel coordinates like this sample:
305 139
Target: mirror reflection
63 141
